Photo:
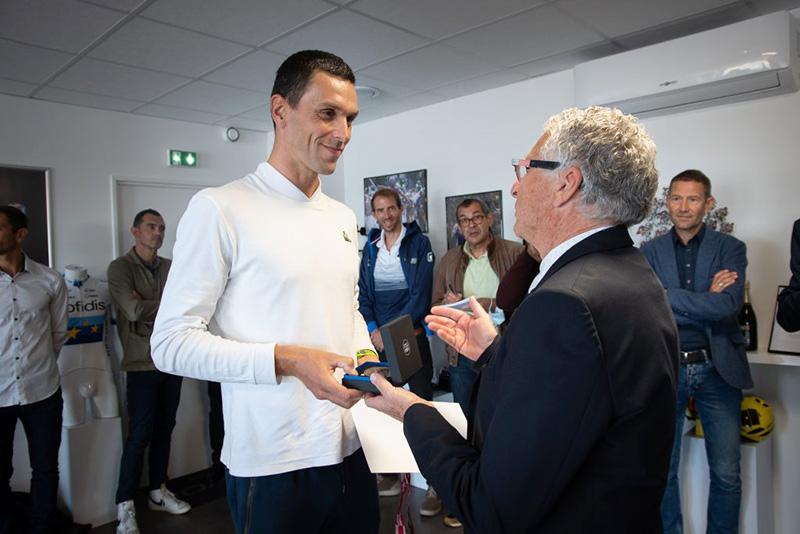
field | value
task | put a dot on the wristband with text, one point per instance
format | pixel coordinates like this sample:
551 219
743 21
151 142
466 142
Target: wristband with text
365 353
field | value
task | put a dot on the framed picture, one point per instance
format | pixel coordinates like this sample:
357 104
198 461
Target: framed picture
412 187
493 200
29 190
779 339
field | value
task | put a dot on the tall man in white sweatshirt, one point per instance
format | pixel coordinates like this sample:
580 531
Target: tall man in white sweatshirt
263 297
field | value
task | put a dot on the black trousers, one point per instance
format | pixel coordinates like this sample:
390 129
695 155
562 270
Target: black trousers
216 427
42 424
328 499
153 399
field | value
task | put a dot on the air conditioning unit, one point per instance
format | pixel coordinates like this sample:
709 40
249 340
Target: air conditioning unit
751 59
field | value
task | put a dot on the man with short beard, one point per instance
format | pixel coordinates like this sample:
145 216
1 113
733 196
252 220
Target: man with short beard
33 328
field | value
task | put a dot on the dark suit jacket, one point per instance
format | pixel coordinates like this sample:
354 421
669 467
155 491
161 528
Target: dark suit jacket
574 406
715 313
789 299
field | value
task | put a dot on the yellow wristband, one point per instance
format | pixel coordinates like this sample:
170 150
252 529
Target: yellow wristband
365 353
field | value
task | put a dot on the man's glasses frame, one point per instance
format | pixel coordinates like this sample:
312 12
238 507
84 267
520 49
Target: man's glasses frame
477 220
523 166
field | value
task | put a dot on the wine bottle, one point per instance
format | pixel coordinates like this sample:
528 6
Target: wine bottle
747 320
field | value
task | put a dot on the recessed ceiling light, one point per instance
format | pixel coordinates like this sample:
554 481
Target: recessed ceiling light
365 92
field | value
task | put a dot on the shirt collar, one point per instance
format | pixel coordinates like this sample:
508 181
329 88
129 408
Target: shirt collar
151 266
558 251
467 251
25 268
382 241
283 186
698 237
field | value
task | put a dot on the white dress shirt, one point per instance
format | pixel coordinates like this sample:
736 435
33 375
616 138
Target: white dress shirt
33 327
558 251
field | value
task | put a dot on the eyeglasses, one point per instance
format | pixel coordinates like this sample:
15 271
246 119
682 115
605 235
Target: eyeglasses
477 219
522 166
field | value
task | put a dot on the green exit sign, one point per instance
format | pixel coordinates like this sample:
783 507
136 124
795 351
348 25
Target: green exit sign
182 158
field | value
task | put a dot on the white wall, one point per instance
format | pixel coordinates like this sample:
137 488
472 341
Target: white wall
749 150
84 148
465 144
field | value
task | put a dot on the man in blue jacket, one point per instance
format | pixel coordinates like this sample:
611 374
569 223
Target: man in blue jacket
397 279
703 272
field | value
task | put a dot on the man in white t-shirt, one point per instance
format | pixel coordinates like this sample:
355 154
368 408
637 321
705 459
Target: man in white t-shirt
263 298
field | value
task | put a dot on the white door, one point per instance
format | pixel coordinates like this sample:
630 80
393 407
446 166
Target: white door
169 199
133 196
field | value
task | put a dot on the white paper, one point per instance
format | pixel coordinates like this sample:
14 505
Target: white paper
384 443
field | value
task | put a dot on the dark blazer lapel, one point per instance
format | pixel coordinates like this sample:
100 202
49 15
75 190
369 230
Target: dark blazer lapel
609 239
705 257
667 264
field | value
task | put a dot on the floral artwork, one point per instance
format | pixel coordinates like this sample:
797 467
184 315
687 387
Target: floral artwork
658 223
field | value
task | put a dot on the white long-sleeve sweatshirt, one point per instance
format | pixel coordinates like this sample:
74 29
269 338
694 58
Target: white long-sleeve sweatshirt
257 263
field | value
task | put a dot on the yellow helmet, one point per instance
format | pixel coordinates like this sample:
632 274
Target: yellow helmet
757 419
691 410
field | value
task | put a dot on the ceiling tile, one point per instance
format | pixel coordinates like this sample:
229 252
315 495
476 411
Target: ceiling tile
346 34
214 98
388 90
261 113
254 71
181 114
155 46
11 87
436 19
249 124
638 14
64 25
26 63
537 33
85 99
764 7
399 105
481 83
154 56
100 77
429 67
674 30
569 59
251 22
120 5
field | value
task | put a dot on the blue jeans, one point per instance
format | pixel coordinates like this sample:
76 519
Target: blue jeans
719 407
462 379
153 399
332 498
42 423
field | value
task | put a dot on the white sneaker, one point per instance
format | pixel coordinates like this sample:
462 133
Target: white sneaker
164 500
126 515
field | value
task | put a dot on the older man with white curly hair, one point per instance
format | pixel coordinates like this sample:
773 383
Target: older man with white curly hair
574 407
